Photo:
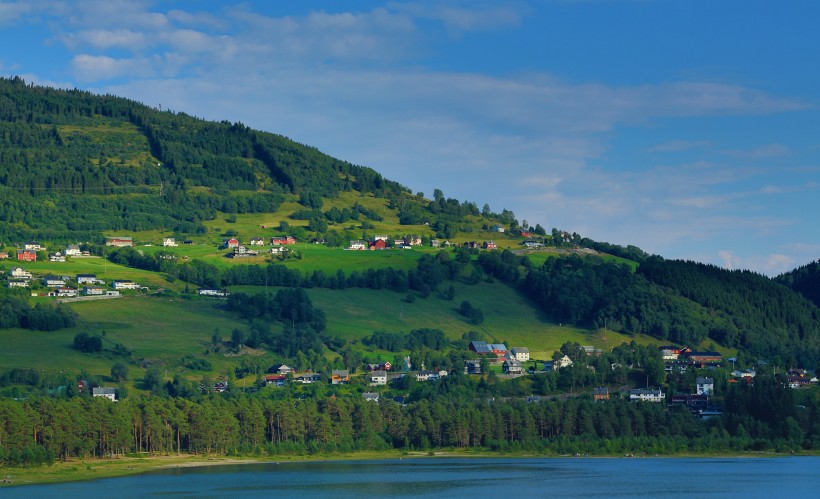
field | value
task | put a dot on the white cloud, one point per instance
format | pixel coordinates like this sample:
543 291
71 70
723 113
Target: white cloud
771 265
466 19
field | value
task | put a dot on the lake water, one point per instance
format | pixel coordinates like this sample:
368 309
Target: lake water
453 478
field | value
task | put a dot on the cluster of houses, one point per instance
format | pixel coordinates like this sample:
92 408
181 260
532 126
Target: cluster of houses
278 246
679 359
382 242
85 284
28 253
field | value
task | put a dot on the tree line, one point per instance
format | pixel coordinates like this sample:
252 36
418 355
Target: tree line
41 430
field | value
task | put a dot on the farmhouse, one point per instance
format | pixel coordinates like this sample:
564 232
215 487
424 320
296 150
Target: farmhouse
27 256
357 245
512 366
119 241
33 247
278 240
339 376
230 243
704 386
169 241
600 393
56 257
87 279
72 250
109 393
521 354
378 244
489 245
19 273
257 241
53 282
65 292
646 395
378 378
125 284
93 291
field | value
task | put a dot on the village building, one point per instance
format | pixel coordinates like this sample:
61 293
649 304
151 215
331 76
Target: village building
378 378
93 290
646 395
564 361
521 354
27 256
72 250
279 240
357 245
169 241
339 376
33 247
19 273
53 282
600 393
512 366
704 386
105 392
119 242
120 284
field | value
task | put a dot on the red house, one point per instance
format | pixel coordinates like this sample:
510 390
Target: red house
27 256
231 243
276 240
378 244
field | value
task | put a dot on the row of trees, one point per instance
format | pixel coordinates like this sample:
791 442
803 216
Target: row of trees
16 311
41 429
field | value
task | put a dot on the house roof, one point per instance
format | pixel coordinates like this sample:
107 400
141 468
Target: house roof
705 381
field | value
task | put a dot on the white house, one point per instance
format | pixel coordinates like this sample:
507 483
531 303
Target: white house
378 378
169 241
18 283
53 282
109 393
125 284
66 292
705 386
86 278
521 354
564 361
93 291
357 245
647 395
72 250
19 273
33 247
56 257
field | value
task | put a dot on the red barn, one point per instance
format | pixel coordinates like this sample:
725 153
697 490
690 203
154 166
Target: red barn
27 256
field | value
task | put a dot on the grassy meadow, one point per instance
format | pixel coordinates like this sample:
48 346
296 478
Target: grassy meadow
164 330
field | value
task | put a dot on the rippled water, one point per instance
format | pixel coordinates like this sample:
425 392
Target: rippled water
455 478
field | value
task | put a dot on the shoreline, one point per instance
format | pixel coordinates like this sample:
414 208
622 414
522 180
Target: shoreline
95 469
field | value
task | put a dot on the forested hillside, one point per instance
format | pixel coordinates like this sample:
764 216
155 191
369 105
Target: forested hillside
805 280
75 164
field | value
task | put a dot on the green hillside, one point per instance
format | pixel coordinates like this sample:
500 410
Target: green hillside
76 168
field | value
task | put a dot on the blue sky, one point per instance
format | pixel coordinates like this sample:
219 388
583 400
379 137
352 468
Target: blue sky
688 128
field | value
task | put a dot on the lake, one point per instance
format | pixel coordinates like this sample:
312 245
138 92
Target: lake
472 478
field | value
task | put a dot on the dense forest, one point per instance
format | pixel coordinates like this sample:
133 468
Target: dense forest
457 413
75 163
805 280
